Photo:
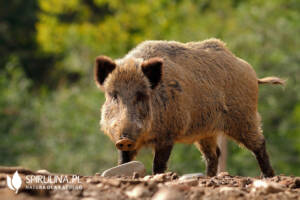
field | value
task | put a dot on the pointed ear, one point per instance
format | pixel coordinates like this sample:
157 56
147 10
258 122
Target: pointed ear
103 67
152 69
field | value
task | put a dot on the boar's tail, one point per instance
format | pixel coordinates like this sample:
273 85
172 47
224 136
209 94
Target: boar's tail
271 80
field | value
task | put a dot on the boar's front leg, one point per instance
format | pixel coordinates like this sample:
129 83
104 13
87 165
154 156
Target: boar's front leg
126 156
161 157
211 153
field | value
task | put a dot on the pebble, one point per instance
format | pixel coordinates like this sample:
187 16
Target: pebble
231 191
43 171
138 191
159 177
211 183
168 193
135 175
191 176
227 189
223 174
296 184
189 182
245 182
267 187
147 178
89 198
127 169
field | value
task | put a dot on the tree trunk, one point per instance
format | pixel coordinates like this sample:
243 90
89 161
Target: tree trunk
222 142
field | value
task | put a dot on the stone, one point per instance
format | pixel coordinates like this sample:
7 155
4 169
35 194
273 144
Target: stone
159 177
168 193
43 171
267 187
191 176
138 191
245 182
189 182
296 184
135 175
147 178
223 174
226 189
231 191
127 169
197 194
274 188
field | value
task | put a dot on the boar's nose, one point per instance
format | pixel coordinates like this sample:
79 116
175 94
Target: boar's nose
125 144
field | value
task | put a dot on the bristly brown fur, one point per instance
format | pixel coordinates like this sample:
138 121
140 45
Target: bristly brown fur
200 90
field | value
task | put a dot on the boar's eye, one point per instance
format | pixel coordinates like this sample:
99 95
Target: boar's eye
140 96
114 95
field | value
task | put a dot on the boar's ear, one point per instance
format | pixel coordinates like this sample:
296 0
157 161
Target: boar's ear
103 67
152 69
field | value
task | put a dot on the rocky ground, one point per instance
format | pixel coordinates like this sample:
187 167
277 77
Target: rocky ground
162 186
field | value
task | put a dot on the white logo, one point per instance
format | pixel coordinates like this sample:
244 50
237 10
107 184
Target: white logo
14 183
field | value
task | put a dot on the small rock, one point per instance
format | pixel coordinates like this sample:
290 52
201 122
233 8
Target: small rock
211 183
260 184
43 171
88 198
277 179
93 180
191 176
127 169
227 189
267 187
223 174
135 175
274 188
147 178
197 194
231 191
113 182
245 182
168 193
159 177
174 176
138 191
189 182
296 184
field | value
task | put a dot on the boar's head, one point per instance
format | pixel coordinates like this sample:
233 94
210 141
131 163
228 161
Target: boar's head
128 85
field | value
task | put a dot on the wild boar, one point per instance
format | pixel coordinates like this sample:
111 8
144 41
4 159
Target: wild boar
164 92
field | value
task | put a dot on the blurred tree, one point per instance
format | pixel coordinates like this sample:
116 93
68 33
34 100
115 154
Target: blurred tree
18 39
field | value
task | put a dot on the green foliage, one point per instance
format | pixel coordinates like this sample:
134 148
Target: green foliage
49 106
17 134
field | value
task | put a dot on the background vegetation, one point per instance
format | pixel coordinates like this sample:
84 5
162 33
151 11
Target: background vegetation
49 105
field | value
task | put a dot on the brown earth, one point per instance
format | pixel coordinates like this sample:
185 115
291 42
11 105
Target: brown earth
162 186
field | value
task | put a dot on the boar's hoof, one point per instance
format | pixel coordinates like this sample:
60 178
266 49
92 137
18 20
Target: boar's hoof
125 144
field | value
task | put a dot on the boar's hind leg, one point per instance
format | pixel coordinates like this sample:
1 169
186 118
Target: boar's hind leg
161 157
211 152
126 156
256 143
263 160
254 140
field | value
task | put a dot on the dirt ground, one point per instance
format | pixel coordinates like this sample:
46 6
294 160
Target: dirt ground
162 186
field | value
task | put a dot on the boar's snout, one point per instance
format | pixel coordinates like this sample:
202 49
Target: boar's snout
125 144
